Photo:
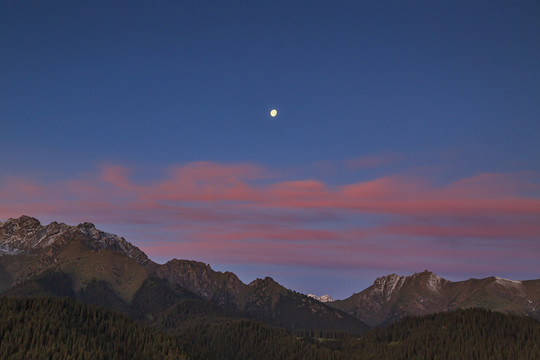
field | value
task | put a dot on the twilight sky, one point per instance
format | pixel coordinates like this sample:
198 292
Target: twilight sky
407 138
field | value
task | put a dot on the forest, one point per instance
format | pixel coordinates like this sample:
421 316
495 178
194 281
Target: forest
62 328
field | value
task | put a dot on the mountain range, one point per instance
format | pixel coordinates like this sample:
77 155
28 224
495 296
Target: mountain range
104 269
393 297
100 268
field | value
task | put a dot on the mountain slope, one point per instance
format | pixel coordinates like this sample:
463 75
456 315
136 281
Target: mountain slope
262 299
392 297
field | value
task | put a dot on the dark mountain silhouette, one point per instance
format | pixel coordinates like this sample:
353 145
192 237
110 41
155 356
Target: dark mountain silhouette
103 269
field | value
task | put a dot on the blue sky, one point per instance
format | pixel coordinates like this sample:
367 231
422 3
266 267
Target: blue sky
432 91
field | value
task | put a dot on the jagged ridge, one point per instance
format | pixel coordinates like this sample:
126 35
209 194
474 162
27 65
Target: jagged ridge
96 261
38 248
26 235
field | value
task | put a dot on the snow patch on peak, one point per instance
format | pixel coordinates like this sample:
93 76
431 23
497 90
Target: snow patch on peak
434 282
107 240
507 282
388 285
381 281
323 298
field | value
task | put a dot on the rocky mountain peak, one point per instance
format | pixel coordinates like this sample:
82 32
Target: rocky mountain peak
200 278
189 263
392 297
26 235
267 281
388 285
323 298
86 225
387 278
429 279
393 283
25 221
425 273
23 224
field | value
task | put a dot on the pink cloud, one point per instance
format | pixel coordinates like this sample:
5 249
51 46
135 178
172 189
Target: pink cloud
225 212
380 189
14 188
513 230
206 171
117 176
410 255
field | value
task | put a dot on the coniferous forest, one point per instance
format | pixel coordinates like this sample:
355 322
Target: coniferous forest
60 328
57 328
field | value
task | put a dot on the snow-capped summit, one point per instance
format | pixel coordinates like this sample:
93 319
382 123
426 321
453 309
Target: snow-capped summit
324 298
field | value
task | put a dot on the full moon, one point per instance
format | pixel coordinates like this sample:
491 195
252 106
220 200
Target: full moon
273 113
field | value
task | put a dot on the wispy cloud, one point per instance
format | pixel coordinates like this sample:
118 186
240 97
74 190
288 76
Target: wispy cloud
225 213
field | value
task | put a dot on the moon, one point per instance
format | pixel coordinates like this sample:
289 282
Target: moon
273 113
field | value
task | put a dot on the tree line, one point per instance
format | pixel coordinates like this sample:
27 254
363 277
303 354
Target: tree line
61 328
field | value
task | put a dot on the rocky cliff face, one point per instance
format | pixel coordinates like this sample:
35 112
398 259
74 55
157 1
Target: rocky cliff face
25 234
224 289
